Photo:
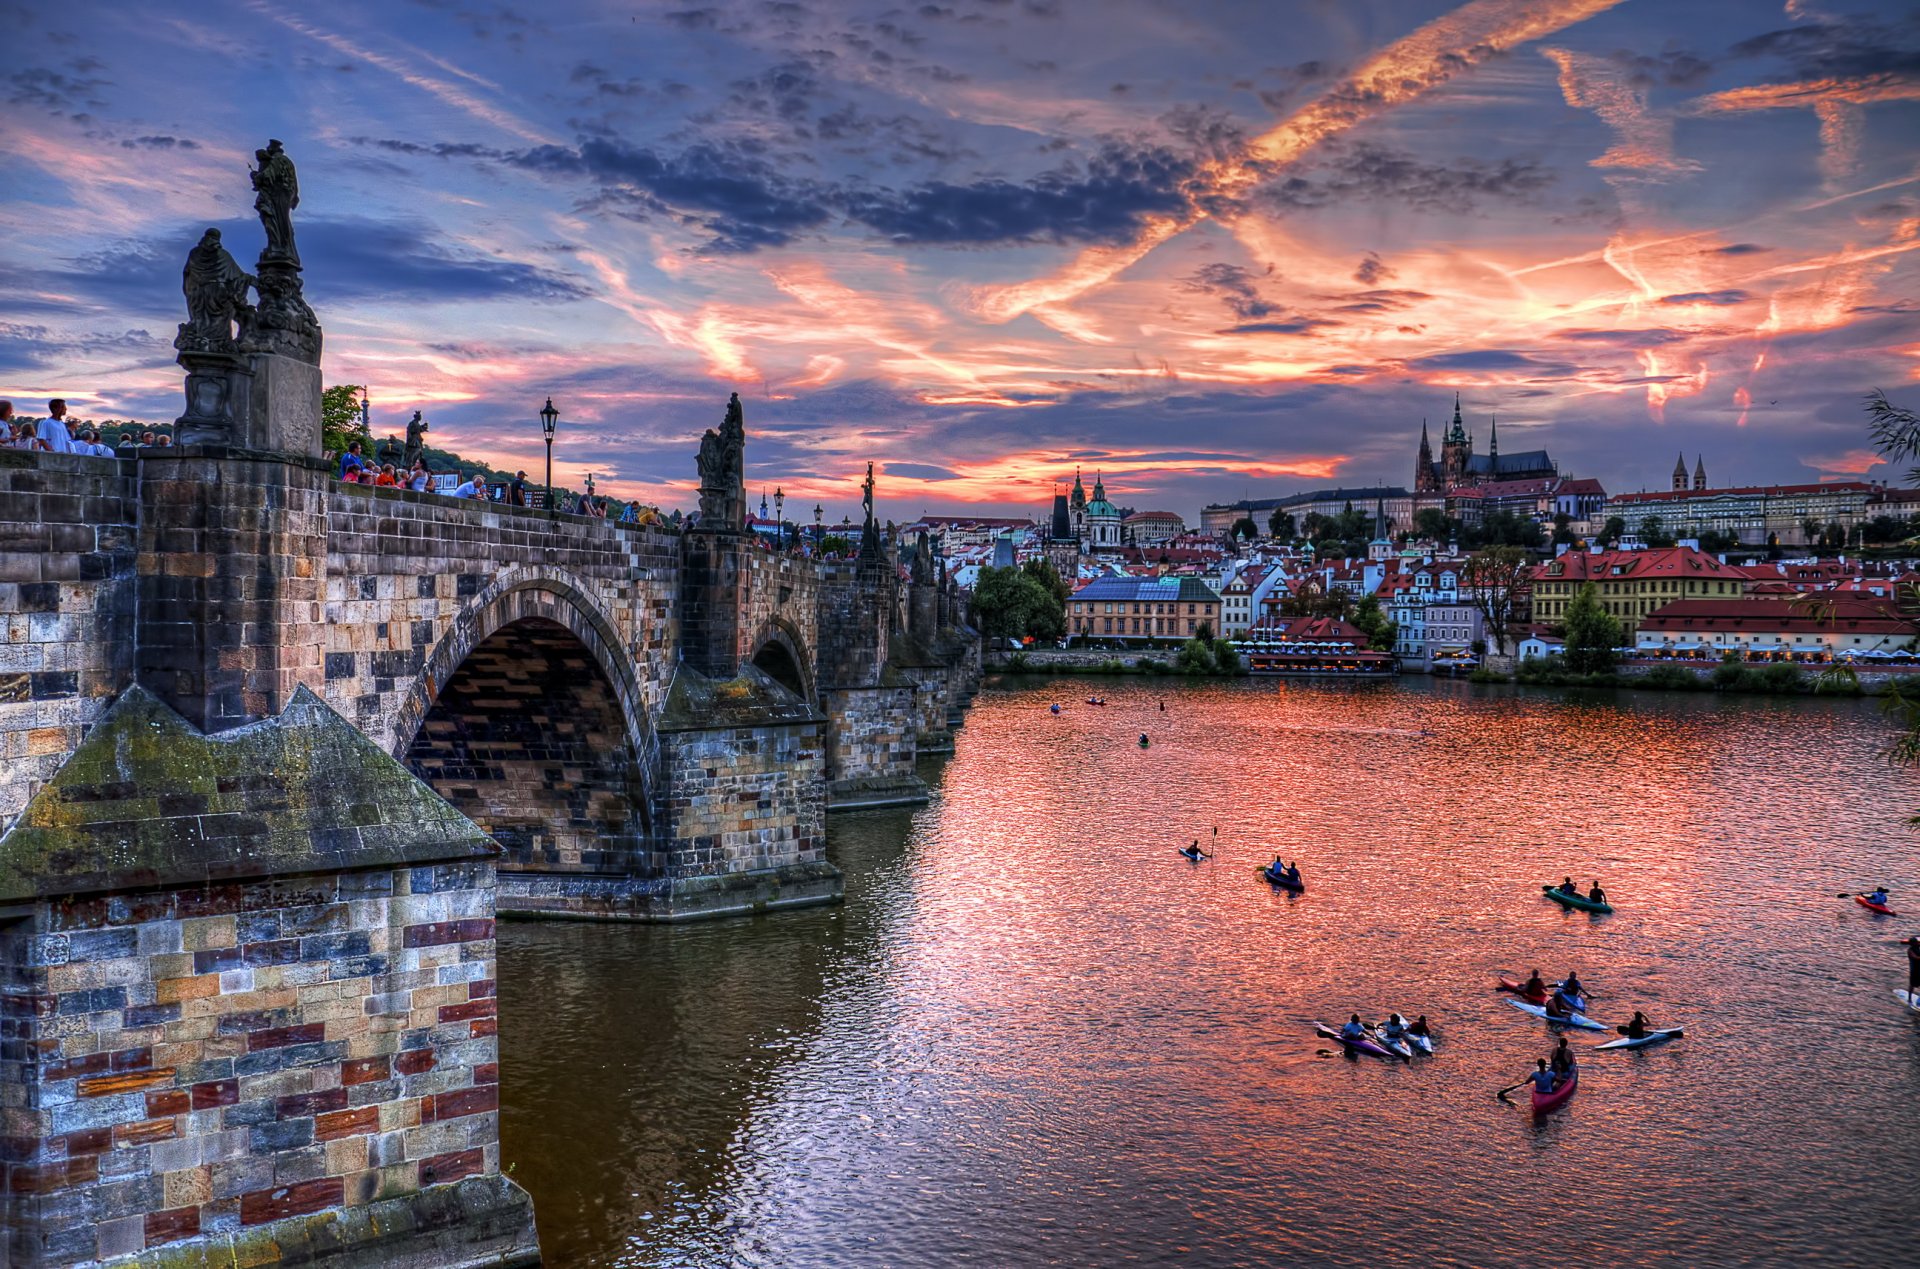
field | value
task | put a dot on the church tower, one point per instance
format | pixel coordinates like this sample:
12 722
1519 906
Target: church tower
1455 450
1493 442
1700 473
1425 480
1077 507
1680 474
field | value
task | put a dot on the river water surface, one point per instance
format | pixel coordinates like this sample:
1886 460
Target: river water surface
1034 1035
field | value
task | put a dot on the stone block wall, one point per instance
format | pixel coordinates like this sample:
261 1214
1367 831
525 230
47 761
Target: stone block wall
231 547
67 599
414 576
742 799
855 622
933 706
221 1064
782 590
871 746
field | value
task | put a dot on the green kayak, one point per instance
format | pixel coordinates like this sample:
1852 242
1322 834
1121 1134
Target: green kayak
1579 901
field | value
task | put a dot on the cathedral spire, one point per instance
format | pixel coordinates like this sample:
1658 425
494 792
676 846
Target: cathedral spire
1457 434
1680 472
1493 437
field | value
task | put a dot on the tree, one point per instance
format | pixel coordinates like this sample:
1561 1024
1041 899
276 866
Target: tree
1245 529
1041 570
836 544
1613 530
1653 532
1592 633
1280 524
1013 604
1563 534
1491 580
1718 542
1379 628
340 423
1316 526
1432 523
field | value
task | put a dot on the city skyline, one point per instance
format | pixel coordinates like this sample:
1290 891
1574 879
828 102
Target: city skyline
1207 256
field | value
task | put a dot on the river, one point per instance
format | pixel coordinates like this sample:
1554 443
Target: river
1034 1035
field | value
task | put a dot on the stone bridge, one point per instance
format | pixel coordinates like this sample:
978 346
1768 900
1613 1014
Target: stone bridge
650 723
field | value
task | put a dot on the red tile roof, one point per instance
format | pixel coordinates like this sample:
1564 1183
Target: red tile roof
1842 614
1671 561
1771 491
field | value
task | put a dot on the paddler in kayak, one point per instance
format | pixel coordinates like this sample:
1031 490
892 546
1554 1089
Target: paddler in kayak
1419 1027
1394 1027
1543 1079
1193 852
1563 1060
1567 886
1879 896
1636 1027
1572 989
1536 985
1355 1029
1913 967
1596 895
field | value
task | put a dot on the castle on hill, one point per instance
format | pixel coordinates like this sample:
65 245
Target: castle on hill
1459 467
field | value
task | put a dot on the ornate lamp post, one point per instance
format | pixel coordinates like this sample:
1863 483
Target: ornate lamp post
549 418
779 517
817 531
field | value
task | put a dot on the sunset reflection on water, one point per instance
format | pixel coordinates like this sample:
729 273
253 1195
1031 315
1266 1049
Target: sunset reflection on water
1035 1034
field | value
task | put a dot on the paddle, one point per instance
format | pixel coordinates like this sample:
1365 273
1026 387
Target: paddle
1502 1094
1861 894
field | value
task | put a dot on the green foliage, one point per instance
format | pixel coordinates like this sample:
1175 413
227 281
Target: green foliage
1280 524
1041 570
1211 658
1670 678
1563 529
1838 680
836 544
1592 633
340 420
1653 532
1503 528
1017 663
1783 679
1481 674
1431 522
1014 604
1244 528
1613 529
1380 630
1716 542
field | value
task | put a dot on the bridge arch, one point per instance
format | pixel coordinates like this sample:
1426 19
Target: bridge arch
528 717
781 652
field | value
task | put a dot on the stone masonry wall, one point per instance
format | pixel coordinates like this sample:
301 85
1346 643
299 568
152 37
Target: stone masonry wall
871 747
221 1061
745 799
67 603
783 591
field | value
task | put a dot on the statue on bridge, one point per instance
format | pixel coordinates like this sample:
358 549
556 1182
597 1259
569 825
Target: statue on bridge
722 463
216 289
277 193
416 441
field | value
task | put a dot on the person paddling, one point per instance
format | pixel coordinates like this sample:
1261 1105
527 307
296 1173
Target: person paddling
1596 895
1567 886
1194 852
1878 897
1543 1079
1913 969
1536 985
1574 991
1419 1027
1637 1026
1563 1060
1394 1027
1355 1029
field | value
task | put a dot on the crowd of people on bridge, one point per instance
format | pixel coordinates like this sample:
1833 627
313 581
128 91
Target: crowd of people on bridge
356 468
58 434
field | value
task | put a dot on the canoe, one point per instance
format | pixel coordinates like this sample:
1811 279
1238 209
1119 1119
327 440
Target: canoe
1871 906
1547 1103
1363 1044
1579 901
1285 883
1540 1011
1520 989
1651 1037
1399 1048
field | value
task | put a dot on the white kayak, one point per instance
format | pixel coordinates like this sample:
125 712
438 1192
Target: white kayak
1540 1011
1641 1042
1424 1043
1911 999
1396 1047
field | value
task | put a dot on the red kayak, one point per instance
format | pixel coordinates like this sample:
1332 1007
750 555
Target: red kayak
1871 906
1520 990
1547 1103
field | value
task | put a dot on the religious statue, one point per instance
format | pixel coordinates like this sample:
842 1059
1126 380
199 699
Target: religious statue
722 462
216 289
416 439
277 193
866 497
869 534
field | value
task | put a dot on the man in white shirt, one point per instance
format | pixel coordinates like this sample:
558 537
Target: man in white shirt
466 489
53 428
94 446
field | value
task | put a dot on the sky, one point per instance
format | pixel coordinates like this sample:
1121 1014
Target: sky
1208 249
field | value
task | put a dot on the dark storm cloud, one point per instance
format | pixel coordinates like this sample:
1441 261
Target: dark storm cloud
1853 48
346 259
1373 270
1740 249
1651 338
1236 287
1376 301
1721 298
1486 359
1297 326
159 143
1671 67
918 471
69 92
1364 171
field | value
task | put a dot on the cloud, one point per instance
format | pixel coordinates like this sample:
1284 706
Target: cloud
1721 298
1372 270
1643 137
1298 326
1740 249
1367 172
1859 47
919 471
1235 286
1485 359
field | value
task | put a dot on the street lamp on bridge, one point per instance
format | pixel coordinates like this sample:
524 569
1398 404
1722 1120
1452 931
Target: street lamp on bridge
549 419
779 517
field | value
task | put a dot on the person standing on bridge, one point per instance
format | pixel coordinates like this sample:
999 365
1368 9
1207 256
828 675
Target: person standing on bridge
517 491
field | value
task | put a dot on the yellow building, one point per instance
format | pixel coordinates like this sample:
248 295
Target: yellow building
1631 583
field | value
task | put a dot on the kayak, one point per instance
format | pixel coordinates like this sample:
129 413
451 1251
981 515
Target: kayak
1911 999
1576 1002
1363 1044
1189 856
1520 989
1399 1048
1547 1103
1424 1043
1540 1011
1575 900
1641 1042
1285 883
1871 906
